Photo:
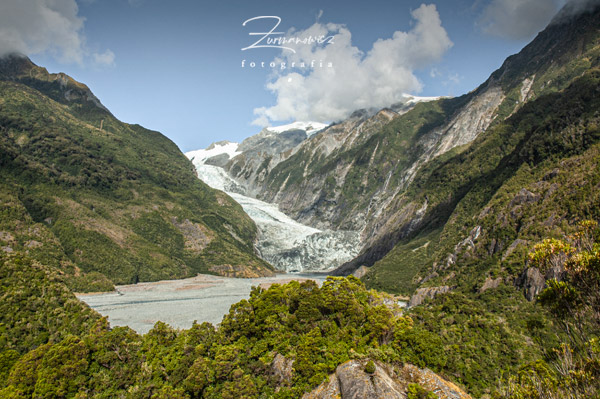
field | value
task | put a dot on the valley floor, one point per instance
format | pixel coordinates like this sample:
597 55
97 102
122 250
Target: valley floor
179 302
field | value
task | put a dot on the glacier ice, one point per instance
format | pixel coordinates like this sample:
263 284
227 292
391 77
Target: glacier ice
286 244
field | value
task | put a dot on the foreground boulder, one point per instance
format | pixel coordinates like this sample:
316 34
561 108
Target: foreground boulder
352 380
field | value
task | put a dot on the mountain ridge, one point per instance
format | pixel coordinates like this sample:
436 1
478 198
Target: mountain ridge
112 194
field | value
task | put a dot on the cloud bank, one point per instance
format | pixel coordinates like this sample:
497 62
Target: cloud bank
574 8
357 80
54 26
518 19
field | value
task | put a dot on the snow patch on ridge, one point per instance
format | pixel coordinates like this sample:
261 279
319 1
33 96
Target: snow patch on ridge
309 127
410 99
199 157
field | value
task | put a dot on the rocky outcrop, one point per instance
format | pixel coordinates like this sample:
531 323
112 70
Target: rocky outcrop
471 121
360 272
351 381
260 154
532 281
196 237
490 283
427 293
282 368
524 197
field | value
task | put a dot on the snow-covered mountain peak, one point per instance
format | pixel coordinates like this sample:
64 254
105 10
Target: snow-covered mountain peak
410 99
199 157
309 127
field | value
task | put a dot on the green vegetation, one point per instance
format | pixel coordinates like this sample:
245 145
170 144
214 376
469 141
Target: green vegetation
397 271
415 391
121 201
531 177
370 367
317 328
84 207
571 369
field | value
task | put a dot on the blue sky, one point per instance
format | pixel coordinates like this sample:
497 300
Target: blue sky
176 67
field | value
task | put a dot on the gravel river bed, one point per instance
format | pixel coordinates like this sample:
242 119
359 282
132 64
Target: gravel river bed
179 302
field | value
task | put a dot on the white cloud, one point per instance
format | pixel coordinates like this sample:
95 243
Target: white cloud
357 80
575 7
518 19
38 26
104 59
453 78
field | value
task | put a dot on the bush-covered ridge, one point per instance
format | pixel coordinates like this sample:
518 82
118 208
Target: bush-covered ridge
314 328
522 180
121 200
286 340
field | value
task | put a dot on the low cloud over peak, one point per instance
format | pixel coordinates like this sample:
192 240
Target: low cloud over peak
356 80
518 19
54 26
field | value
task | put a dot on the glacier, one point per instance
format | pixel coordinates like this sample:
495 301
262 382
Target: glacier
283 242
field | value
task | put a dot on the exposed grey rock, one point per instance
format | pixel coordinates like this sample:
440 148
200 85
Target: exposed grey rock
532 282
282 368
427 293
472 120
360 272
194 235
492 248
490 283
350 381
260 154
33 244
524 197
218 160
552 174
6 236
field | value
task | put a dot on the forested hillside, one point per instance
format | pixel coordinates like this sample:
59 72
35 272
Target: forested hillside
104 201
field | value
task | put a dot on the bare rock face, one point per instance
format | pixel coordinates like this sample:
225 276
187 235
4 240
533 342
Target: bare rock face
532 281
260 154
195 235
351 381
282 368
427 293
361 271
524 197
490 283
472 120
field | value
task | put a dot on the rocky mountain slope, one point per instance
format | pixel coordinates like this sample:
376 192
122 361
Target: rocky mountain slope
104 201
285 243
510 175
377 173
380 174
